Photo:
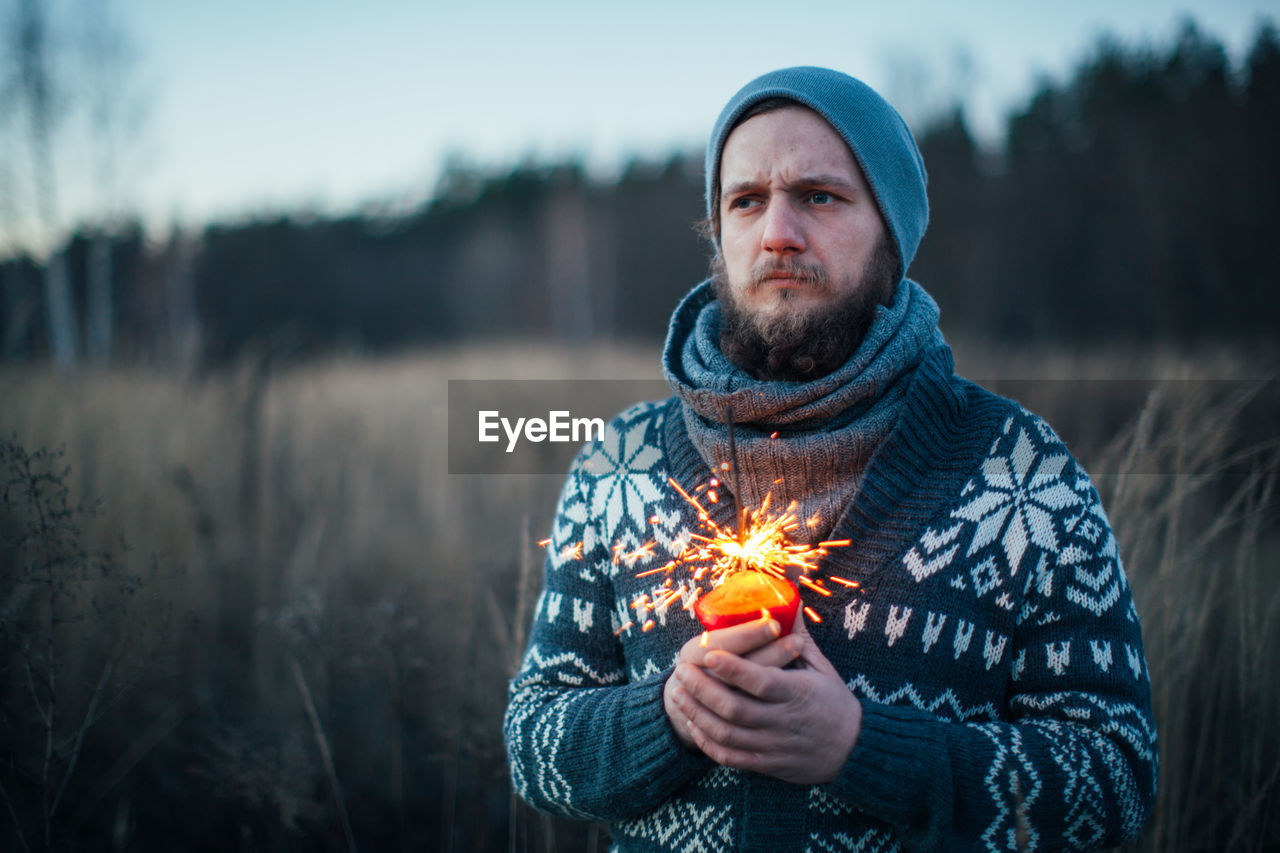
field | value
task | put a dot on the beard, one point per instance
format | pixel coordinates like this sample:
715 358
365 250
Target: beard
798 346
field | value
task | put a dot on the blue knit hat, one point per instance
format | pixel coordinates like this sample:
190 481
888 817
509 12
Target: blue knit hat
875 133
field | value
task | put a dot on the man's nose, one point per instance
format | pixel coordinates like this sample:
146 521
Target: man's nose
783 231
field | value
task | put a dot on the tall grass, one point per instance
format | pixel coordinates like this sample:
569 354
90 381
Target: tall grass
334 618
1197 522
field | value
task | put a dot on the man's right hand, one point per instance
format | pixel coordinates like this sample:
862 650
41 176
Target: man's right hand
756 641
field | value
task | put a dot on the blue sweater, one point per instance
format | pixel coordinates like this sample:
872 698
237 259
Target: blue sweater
992 642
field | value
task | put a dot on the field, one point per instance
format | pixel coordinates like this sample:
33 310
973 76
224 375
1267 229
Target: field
267 617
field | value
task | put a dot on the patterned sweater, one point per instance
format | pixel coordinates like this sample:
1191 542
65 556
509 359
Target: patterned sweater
992 642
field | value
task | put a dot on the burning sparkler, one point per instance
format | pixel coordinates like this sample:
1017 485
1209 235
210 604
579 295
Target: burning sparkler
762 544
731 576
759 554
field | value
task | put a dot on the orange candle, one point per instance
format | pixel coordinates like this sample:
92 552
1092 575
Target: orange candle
748 595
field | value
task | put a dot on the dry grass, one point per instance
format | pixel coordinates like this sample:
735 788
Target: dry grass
308 533
1201 546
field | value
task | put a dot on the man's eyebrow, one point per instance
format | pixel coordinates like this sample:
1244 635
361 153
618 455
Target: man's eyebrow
739 187
834 182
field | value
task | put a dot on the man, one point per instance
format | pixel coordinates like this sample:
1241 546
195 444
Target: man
983 685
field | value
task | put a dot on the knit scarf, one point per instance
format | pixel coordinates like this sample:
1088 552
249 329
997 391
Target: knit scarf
807 442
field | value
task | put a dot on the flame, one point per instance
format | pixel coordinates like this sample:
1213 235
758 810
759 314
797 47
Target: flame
763 544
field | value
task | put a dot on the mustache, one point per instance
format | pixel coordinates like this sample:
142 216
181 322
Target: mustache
811 274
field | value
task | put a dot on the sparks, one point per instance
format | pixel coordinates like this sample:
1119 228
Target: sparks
644 552
762 544
815 586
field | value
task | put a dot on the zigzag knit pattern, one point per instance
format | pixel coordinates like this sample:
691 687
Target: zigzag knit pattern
992 641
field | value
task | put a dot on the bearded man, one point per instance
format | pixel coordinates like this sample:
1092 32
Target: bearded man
978 684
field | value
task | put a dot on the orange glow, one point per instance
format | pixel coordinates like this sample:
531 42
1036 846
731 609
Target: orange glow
762 543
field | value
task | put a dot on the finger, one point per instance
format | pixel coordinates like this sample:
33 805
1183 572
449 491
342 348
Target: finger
719 699
686 710
800 630
715 728
761 682
738 639
724 754
674 699
778 654
810 656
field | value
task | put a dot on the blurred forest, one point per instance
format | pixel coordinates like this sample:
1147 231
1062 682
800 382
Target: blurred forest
1136 201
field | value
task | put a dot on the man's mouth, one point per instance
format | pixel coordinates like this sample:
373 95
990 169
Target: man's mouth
790 278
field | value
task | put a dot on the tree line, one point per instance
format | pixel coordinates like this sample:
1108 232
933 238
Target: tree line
1132 201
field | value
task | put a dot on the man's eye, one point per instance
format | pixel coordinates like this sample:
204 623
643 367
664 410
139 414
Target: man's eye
821 198
741 203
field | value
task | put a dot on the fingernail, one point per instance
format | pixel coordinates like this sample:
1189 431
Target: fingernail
775 628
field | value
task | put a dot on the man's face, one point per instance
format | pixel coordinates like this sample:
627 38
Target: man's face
806 257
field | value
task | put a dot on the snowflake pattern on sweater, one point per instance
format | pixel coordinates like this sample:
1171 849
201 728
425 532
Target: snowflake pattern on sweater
992 642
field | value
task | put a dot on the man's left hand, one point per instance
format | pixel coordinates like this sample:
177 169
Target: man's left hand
798 725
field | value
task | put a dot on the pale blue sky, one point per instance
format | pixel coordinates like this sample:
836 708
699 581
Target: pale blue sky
269 105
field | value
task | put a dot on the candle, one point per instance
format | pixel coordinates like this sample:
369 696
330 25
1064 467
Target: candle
747 595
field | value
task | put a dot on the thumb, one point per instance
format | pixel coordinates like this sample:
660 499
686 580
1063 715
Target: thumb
809 652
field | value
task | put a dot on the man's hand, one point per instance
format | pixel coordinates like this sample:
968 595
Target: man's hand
798 725
754 641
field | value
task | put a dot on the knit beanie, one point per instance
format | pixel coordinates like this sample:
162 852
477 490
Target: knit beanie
878 137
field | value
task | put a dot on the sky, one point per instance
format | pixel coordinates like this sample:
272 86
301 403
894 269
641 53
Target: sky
254 107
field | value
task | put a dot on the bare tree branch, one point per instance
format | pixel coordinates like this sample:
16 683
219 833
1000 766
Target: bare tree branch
84 727
17 825
323 743
35 697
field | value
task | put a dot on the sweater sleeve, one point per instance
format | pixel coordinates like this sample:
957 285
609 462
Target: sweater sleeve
583 738
1073 765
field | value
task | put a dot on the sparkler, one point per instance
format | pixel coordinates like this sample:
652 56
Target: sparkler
761 543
